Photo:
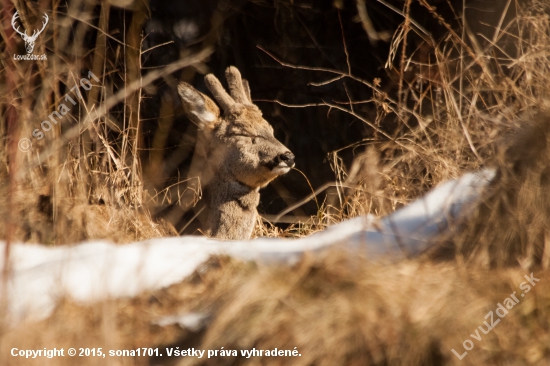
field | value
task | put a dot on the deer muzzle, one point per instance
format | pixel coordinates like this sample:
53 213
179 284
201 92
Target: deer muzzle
283 163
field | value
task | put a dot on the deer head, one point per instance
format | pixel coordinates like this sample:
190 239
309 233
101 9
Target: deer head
29 40
239 142
236 154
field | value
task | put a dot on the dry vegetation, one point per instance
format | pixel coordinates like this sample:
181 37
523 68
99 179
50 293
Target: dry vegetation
455 102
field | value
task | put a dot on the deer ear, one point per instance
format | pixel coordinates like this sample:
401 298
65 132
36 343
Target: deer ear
201 109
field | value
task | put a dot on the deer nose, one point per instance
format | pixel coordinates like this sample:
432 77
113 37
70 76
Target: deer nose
287 158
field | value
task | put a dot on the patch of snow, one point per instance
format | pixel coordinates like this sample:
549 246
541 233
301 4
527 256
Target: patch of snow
93 271
192 321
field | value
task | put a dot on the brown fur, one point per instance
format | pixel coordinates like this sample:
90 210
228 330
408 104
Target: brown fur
236 155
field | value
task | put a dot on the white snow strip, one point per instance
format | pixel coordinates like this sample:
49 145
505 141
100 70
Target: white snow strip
191 321
93 271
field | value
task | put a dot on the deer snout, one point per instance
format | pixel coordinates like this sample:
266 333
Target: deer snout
286 158
282 163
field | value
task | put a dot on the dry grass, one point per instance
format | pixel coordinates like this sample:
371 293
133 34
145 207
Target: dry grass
343 310
84 181
337 310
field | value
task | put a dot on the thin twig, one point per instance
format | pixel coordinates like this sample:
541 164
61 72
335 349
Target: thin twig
344 43
342 74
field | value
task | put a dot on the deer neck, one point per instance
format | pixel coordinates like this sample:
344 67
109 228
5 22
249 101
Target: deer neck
231 209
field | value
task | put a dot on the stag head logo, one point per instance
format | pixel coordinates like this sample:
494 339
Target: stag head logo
29 40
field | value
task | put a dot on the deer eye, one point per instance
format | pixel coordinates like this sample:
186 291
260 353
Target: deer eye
253 138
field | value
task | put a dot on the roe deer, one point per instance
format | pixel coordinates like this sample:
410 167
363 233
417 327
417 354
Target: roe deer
235 156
